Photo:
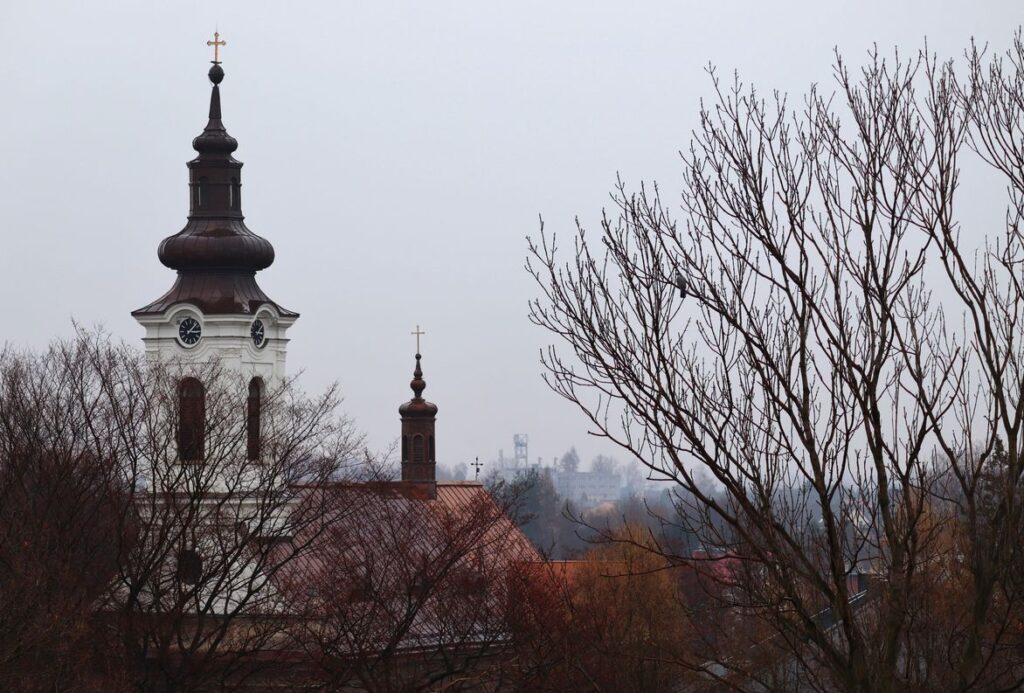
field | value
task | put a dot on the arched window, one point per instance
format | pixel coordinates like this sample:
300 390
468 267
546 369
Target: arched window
405 448
431 456
417 449
191 420
203 192
254 410
235 194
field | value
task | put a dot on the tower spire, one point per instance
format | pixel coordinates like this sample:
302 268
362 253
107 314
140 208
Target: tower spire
214 143
216 255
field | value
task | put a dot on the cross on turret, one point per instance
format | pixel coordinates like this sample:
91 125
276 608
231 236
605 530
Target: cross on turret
418 333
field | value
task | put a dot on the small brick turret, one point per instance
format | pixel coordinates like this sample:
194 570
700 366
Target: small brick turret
418 416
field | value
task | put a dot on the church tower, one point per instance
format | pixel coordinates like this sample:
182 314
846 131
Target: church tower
216 310
418 416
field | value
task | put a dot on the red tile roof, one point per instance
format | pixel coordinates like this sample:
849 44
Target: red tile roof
383 537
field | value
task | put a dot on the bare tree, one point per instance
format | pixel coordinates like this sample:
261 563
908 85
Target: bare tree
570 461
408 592
605 464
61 500
147 509
811 328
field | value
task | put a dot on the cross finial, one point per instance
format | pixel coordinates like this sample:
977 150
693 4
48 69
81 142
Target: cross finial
477 466
418 334
216 43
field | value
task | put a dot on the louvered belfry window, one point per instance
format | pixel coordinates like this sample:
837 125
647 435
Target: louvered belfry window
191 420
203 194
418 451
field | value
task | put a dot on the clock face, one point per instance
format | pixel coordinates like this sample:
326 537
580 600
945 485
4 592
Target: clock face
189 331
257 334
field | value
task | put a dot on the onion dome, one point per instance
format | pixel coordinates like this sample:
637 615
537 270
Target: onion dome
418 407
215 236
216 255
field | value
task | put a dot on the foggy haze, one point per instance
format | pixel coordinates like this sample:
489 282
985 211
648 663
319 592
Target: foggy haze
396 155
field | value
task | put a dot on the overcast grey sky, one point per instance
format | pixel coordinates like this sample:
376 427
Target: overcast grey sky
397 154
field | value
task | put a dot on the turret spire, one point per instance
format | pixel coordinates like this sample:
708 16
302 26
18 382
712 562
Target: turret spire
417 383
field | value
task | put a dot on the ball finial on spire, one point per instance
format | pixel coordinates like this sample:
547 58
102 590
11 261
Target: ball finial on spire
216 74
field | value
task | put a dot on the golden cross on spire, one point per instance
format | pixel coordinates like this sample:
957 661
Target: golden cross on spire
418 333
216 43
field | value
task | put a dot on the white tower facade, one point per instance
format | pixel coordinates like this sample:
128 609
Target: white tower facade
253 344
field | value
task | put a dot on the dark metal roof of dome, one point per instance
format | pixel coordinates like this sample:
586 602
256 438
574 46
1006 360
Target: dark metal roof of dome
216 255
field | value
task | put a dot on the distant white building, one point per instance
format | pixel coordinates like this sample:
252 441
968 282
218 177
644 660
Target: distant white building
587 489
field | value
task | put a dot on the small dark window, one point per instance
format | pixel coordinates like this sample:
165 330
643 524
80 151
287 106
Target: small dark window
405 448
191 420
431 456
235 194
417 449
254 411
203 192
190 567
